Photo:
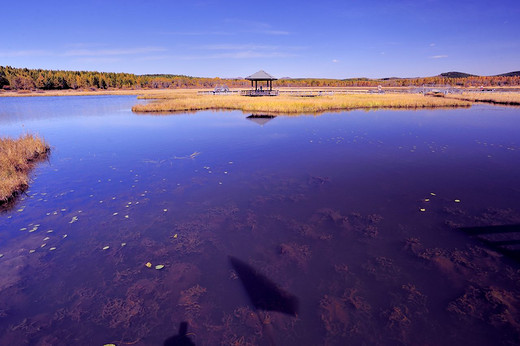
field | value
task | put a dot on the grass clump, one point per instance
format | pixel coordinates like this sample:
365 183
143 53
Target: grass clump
17 157
286 104
500 98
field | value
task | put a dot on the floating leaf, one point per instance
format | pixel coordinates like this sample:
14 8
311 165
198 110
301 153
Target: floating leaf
148 264
32 251
43 245
426 199
1 255
109 345
115 214
433 194
64 236
123 244
50 231
74 219
159 266
175 236
165 210
46 238
126 216
52 248
457 201
422 209
106 247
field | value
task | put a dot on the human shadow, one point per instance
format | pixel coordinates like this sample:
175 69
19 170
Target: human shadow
181 339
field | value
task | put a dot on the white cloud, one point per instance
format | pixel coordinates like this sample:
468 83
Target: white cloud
113 52
239 47
22 53
335 60
432 44
438 56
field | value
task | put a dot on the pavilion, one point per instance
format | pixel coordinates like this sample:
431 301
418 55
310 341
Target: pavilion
258 90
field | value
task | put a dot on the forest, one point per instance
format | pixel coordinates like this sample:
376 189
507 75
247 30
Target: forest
32 79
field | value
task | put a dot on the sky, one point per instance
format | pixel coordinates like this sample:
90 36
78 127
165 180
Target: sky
298 39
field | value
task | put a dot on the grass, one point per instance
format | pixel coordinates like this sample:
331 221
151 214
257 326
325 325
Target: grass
17 157
501 98
286 104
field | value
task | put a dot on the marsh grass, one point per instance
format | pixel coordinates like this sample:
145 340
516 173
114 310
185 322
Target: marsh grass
17 157
503 98
286 104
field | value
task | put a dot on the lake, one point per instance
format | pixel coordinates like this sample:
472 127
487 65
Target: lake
368 218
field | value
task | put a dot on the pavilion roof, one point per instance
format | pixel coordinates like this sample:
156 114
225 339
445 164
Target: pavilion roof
261 75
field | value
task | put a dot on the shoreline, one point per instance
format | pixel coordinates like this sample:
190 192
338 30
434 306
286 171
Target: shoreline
292 105
17 159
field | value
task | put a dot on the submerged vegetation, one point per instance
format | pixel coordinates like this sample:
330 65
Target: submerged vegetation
16 160
285 104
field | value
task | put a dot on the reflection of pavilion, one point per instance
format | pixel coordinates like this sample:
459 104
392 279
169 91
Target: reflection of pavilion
261 119
258 90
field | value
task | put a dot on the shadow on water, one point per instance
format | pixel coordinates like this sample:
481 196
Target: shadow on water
262 292
181 339
502 239
260 119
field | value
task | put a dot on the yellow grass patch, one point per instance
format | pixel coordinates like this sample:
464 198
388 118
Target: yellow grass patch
286 104
16 160
505 98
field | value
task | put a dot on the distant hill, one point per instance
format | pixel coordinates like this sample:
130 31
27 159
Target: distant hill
454 74
510 74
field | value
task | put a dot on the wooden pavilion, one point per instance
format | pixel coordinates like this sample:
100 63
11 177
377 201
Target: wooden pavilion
258 90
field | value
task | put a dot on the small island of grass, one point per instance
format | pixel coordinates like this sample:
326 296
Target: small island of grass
17 158
288 104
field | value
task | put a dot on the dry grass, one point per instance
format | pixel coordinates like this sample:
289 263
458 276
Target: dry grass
504 98
285 104
27 93
16 160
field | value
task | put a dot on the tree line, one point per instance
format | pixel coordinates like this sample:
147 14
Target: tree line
31 79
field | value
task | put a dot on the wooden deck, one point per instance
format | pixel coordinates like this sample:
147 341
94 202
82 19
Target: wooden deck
259 92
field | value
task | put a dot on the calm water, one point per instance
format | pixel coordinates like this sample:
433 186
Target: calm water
328 207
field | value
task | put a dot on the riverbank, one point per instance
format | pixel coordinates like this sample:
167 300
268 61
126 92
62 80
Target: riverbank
17 158
501 98
286 104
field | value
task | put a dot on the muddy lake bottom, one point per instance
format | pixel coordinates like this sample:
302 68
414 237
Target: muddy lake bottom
360 215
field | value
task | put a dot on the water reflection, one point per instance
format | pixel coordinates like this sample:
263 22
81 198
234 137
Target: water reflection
125 233
260 119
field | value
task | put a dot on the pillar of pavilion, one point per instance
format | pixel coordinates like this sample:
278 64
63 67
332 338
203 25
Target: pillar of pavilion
257 87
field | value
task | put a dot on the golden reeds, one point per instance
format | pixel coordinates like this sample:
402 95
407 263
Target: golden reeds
16 160
285 104
504 98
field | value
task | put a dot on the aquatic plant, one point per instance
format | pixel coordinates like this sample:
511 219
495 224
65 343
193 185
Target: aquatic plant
288 104
16 160
503 98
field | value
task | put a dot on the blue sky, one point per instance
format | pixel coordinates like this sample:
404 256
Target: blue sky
323 38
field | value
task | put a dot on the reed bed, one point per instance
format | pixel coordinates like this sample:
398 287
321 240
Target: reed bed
295 105
503 98
17 157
